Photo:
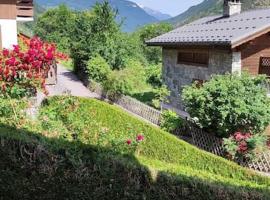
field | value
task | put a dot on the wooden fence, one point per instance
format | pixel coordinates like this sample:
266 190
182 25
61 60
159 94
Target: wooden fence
132 105
150 114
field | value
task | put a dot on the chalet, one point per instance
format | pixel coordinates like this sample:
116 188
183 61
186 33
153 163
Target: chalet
11 12
232 42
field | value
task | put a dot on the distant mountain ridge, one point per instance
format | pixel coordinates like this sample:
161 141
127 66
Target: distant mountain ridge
134 16
157 14
213 7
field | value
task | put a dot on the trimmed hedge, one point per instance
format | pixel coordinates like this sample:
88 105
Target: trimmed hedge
85 167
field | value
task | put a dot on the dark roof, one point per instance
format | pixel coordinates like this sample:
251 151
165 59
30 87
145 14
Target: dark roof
218 30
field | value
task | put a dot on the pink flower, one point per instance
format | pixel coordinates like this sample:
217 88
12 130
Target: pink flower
140 138
242 148
129 141
239 136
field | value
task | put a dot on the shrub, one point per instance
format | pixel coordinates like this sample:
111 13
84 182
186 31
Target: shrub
98 69
245 146
122 82
23 69
161 95
116 85
154 77
170 121
229 103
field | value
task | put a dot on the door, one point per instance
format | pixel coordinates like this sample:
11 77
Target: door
265 66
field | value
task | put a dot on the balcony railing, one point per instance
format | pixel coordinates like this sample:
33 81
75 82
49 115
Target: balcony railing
25 8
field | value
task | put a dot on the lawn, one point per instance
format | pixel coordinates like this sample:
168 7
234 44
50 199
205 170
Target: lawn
159 167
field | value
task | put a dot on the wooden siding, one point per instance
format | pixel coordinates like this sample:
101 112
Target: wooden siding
252 53
25 8
8 9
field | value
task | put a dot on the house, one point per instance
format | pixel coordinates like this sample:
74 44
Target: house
11 12
232 42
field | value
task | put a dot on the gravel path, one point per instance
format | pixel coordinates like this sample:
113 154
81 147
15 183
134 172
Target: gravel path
67 81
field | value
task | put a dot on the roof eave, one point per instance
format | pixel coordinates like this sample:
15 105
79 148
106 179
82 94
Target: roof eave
238 42
166 44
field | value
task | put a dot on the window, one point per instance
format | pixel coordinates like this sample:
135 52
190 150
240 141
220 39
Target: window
193 58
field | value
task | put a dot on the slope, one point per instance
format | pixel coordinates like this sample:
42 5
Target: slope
212 7
77 150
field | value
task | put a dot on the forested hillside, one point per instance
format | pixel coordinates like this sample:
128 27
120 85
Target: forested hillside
212 7
132 15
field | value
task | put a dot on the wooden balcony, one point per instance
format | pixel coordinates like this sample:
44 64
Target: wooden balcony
25 9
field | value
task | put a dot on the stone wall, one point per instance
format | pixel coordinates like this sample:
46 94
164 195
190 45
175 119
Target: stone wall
176 76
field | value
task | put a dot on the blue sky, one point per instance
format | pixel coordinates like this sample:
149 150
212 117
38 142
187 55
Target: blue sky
172 7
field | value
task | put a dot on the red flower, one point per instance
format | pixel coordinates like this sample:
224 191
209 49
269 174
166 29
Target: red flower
49 55
140 138
129 141
16 48
5 53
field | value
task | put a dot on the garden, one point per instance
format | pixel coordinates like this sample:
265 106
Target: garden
78 148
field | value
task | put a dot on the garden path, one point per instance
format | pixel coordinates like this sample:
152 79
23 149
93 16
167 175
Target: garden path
68 82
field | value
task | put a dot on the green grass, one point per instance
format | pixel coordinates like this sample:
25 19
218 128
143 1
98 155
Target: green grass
160 167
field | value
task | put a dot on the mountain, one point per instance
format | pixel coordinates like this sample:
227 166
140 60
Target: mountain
132 14
213 7
157 14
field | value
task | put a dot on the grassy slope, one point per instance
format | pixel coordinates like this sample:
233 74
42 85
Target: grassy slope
78 124
89 117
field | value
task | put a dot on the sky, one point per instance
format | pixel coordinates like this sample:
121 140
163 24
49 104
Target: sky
171 7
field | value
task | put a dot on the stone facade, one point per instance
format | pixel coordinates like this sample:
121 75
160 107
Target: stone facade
176 76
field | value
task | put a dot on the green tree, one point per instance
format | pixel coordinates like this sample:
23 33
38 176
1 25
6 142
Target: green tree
97 32
229 103
55 25
152 54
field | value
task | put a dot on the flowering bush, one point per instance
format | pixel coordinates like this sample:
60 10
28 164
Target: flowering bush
244 145
228 103
24 68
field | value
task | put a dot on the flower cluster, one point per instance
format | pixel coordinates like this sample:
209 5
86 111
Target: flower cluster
242 141
139 139
244 145
25 68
